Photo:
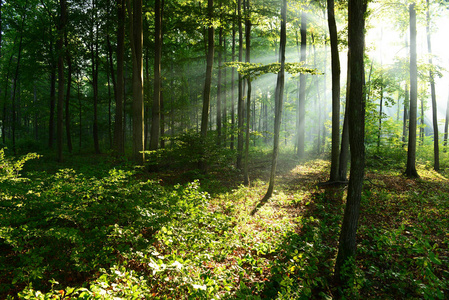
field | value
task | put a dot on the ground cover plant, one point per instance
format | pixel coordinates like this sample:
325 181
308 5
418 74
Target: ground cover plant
119 232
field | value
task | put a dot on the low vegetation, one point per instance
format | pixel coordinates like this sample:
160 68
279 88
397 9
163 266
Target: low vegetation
104 230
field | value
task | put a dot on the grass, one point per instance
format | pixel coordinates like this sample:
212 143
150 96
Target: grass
111 231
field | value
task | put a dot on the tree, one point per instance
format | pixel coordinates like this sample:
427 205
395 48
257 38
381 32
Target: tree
356 41
248 93
278 99
302 90
240 101
410 170
67 97
60 47
156 111
136 36
446 123
119 136
436 145
94 67
335 91
209 66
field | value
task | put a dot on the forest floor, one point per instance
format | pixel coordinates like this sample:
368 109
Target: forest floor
93 231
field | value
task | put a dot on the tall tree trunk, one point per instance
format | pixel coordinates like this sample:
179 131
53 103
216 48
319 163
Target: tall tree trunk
356 41
67 101
119 135
156 108
410 170
446 123
80 124
278 99
335 91
15 80
248 95
381 102
233 87
225 98
344 150
421 128
94 61
219 83
302 90
240 103
405 117
317 99
162 119
60 105
136 34
209 66
436 145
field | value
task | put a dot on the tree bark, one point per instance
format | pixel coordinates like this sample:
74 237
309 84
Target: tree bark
219 84
209 66
436 145
231 146
136 33
446 123
156 108
248 95
356 41
302 90
344 150
405 116
60 104
94 62
240 103
14 87
119 135
410 170
278 98
67 97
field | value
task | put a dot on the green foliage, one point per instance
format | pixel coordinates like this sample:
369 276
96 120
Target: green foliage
114 234
254 70
10 168
187 150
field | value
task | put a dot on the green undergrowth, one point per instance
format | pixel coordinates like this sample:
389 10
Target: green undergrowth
115 234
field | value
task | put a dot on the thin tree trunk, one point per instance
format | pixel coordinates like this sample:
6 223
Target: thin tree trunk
421 128
225 98
156 108
162 126
80 124
136 33
436 145
317 99
15 80
209 66
405 117
446 123
60 104
119 135
219 83
233 87
356 41
381 101
344 151
67 101
278 98
94 61
240 103
302 90
248 95
411 153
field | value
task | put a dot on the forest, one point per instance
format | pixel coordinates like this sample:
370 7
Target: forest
224 149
